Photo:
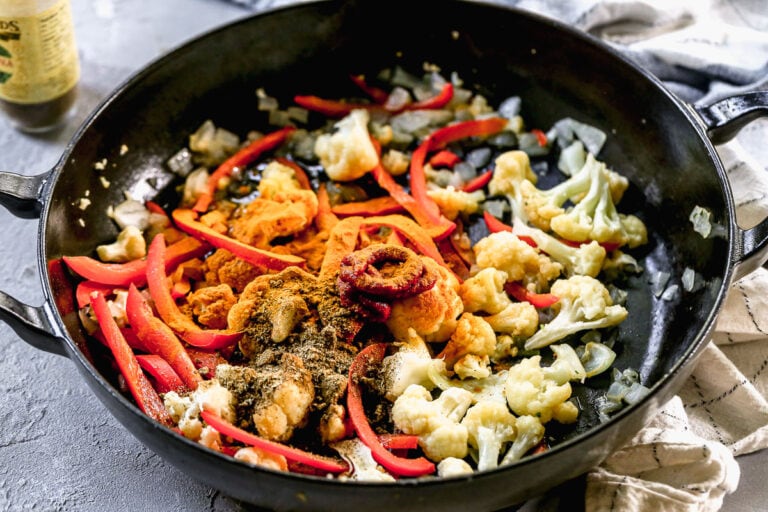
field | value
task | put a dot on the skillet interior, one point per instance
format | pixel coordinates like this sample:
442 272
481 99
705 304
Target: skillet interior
311 49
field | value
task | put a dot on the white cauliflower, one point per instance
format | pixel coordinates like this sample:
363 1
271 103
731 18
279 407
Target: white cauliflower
130 245
434 313
490 426
512 168
530 392
529 433
409 365
452 466
472 337
584 304
567 365
518 319
209 396
251 455
485 292
436 422
453 202
348 153
521 262
276 179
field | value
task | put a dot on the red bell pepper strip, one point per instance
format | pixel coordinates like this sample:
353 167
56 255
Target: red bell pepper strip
478 182
439 100
205 361
187 221
85 288
399 441
165 378
123 274
166 306
410 231
155 208
142 391
541 137
380 96
539 300
159 338
444 158
130 337
457 131
320 462
240 159
495 226
452 258
438 227
384 205
301 175
373 354
325 219
330 108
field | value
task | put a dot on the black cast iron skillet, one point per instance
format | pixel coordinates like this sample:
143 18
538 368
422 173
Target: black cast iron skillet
662 145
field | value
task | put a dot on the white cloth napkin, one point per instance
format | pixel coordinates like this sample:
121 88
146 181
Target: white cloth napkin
703 50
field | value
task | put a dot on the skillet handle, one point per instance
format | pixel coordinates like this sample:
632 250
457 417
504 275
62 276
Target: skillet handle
725 118
22 196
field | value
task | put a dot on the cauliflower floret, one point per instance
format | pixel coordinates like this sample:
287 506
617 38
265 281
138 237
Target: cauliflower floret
473 336
518 319
277 179
512 168
211 304
529 433
452 202
432 314
541 206
395 162
130 245
279 394
349 153
530 392
584 304
210 438
521 262
409 365
452 466
473 366
586 259
485 292
595 217
436 422
262 458
209 396
490 426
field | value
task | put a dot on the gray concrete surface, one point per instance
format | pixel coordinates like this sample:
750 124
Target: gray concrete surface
60 450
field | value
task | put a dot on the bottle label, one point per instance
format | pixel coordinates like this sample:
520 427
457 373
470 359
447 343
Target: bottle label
38 55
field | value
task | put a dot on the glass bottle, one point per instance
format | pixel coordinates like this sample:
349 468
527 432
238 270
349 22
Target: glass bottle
39 65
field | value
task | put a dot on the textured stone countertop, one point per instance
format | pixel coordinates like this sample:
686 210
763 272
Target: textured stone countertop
60 449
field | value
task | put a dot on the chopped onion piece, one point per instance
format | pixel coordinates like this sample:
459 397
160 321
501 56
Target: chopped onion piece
297 113
659 283
616 391
181 162
530 144
398 98
568 128
688 279
670 293
267 103
572 158
496 207
701 219
131 213
597 358
478 158
465 171
635 393
510 107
